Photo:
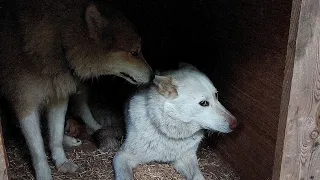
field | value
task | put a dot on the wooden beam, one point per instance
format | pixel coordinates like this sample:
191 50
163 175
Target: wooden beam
3 157
298 151
286 87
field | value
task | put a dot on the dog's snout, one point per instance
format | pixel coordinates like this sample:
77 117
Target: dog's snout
233 123
152 76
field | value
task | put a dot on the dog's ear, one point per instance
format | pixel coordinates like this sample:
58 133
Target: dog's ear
95 22
184 65
165 86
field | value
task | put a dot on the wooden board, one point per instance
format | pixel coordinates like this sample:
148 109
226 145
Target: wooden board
3 157
298 153
291 47
253 85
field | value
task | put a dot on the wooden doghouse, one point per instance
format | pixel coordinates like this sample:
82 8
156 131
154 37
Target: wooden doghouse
263 55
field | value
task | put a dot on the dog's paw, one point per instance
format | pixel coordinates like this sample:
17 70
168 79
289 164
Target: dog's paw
43 171
198 177
68 166
71 141
43 176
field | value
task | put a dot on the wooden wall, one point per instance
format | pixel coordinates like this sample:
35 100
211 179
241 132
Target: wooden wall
298 152
3 156
254 84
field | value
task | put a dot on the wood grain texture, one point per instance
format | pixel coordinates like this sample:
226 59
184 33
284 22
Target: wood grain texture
291 47
3 157
301 153
253 85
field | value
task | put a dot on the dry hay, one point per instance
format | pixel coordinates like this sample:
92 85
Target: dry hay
95 165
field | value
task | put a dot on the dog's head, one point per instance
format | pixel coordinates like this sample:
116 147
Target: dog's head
111 45
190 98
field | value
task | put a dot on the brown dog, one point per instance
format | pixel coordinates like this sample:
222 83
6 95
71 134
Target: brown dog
46 48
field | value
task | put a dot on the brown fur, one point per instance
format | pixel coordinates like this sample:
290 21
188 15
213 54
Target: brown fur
75 129
46 48
47 38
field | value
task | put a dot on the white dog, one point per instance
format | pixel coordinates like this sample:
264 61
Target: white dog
165 123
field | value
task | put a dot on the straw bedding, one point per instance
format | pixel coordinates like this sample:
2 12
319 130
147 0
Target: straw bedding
95 165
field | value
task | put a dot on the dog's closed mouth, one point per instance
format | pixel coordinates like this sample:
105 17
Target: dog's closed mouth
128 76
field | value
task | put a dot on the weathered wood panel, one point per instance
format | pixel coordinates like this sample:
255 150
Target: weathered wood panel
300 152
3 157
291 47
253 85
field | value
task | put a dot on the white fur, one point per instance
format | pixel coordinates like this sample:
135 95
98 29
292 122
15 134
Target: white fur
56 120
70 141
31 129
169 130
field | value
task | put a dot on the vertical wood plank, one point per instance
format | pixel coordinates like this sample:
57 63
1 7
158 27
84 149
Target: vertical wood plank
286 87
298 150
3 157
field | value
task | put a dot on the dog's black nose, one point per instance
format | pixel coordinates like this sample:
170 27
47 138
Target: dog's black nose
152 76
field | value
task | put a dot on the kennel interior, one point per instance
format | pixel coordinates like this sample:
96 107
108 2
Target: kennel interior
241 45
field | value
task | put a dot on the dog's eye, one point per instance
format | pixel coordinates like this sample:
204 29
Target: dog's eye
204 103
134 53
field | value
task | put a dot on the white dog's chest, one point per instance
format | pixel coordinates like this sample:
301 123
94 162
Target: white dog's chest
163 149
174 149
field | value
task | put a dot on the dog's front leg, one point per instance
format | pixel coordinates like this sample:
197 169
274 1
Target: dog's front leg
56 118
81 108
188 166
30 127
123 164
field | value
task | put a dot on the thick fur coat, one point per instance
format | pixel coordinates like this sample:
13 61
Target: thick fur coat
166 122
46 48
